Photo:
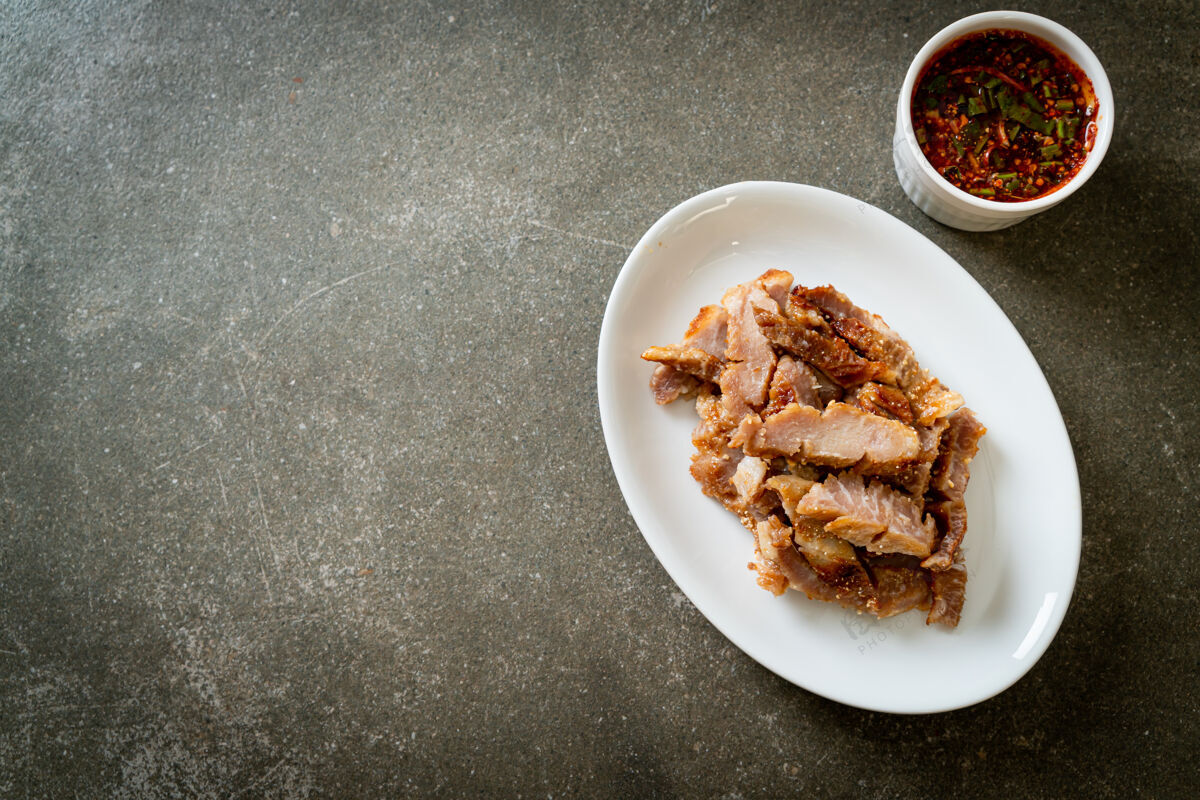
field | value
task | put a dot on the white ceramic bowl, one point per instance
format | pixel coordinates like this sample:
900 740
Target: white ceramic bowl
948 204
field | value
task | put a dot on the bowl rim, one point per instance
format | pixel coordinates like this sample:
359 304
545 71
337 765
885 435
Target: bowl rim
1062 39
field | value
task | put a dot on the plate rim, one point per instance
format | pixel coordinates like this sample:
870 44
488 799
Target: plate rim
606 394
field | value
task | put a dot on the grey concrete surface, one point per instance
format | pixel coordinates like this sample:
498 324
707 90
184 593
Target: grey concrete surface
303 491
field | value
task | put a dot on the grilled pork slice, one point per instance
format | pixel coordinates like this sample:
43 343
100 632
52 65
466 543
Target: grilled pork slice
715 461
916 482
948 482
949 588
872 516
713 421
831 354
931 399
876 398
745 342
827 390
839 436
872 337
793 382
743 387
690 360
900 585
960 444
791 490
706 332
669 384
777 284
777 557
926 394
951 517
748 478
775 560
913 476
840 575
834 560
744 382
770 575
713 467
799 309
719 468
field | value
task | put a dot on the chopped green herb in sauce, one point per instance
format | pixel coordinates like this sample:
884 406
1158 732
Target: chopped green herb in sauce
983 126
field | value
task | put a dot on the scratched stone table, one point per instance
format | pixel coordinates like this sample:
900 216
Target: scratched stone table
302 485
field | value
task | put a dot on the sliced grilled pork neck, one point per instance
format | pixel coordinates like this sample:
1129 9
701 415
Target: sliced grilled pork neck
948 483
949 588
777 284
715 461
959 445
748 478
843 457
791 490
706 332
690 360
869 515
827 389
872 337
745 380
713 467
835 562
913 476
833 559
880 399
793 382
830 353
898 588
775 546
839 436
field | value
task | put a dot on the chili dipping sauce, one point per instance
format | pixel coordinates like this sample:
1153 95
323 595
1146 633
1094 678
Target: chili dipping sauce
1004 115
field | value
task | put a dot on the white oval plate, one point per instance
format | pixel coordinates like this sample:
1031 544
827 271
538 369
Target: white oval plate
1023 543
